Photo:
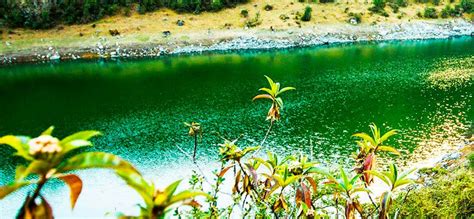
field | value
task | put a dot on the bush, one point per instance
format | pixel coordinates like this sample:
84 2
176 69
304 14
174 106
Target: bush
449 195
401 3
467 6
307 14
327 1
379 4
244 13
446 12
254 21
430 13
356 16
436 2
47 14
268 7
394 7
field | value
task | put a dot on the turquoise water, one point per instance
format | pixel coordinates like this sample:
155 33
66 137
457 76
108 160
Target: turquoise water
140 106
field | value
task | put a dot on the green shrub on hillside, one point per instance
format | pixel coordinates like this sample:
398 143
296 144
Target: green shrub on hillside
307 14
448 196
467 6
430 13
47 14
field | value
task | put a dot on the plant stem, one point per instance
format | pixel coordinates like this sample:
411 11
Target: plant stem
41 183
370 197
195 148
268 133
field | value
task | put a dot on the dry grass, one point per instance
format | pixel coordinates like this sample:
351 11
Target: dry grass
148 28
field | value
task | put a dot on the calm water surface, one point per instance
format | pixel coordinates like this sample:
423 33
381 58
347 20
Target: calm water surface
140 106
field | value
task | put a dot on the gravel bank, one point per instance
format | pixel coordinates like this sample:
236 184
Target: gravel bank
241 39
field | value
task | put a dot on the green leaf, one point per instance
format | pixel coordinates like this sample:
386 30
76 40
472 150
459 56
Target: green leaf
136 181
365 137
266 90
185 195
394 173
95 160
19 171
285 89
402 182
39 167
406 173
77 140
249 149
171 189
279 102
359 189
272 86
19 143
388 149
6 190
48 131
388 135
380 176
345 179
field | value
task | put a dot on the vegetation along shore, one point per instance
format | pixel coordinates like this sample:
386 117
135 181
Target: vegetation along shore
138 30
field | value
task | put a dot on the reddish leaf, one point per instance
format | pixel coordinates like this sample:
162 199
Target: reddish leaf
254 174
236 184
193 203
223 171
75 185
313 184
368 163
306 195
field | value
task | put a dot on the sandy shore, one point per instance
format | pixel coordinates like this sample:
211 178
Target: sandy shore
233 39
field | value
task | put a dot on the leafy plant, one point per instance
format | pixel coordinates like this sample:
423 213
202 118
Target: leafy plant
430 13
244 13
272 94
307 14
253 22
157 203
394 180
448 194
347 187
194 131
49 158
369 146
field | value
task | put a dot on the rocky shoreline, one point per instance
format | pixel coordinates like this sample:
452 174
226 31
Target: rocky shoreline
255 39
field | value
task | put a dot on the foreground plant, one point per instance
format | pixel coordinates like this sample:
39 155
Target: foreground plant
369 146
194 131
49 158
347 187
394 181
272 94
158 203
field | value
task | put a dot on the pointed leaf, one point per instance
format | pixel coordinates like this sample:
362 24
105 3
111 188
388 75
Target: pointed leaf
388 149
137 182
263 96
366 137
75 186
185 195
388 135
285 89
19 143
77 140
48 131
6 190
94 160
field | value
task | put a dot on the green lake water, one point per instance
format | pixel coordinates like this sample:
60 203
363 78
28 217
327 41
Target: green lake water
140 106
